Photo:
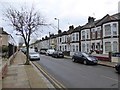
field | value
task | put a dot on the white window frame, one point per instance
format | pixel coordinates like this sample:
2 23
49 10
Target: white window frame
115 46
77 36
99 32
93 30
82 35
73 36
107 47
114 30
77 48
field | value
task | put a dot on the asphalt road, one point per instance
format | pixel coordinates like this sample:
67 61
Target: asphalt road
77 75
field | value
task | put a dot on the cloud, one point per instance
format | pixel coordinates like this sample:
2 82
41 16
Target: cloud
69 12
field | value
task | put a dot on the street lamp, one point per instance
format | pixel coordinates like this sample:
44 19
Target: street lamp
58 22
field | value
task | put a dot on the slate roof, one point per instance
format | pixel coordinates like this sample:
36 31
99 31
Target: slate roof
77 29
105 19
89 25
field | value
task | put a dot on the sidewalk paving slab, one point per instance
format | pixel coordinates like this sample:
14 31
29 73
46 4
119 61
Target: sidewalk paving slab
22 76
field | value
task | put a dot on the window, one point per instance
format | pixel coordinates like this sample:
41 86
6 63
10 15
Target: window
83 35
65 48
107 30
87 47
77 37
98 32
65 38
60 40
83 47
115 46
60 48
73 48
114 29
88 34
93 33
73 37
107 47
77 48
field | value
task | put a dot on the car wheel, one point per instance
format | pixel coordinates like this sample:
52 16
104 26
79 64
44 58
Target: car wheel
85 62
56 56
73 60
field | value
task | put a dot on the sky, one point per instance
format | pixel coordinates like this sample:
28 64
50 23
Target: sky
69 12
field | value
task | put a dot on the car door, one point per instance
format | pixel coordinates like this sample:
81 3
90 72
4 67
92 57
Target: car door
80 57
77 56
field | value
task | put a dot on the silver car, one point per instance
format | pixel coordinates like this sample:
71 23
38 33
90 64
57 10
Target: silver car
34 56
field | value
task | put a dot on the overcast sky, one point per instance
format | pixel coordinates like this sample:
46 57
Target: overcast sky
69 12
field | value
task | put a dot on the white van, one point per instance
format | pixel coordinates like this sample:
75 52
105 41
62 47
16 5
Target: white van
50 51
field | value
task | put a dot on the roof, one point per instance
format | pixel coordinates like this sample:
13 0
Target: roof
70 31
117 16
89 25
105 19
77 29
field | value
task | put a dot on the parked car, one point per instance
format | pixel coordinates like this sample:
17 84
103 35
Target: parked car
58 54
34 55
84 58
117 67
43 51
36 49
116 54
24 50
50 51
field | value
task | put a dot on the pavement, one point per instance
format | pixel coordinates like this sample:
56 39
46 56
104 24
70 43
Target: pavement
103 63
26 76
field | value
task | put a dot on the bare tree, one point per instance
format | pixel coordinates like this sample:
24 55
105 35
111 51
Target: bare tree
25 22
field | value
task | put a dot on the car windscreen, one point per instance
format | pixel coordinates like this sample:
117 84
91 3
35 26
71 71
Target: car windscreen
86 55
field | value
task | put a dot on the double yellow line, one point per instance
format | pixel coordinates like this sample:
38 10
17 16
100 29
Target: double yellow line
54 82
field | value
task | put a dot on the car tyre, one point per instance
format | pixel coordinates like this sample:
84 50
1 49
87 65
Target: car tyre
73 60
85 62
56 56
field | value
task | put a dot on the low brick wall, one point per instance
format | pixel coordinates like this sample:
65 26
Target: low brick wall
10 60
4 69
5 65
102 58
115 59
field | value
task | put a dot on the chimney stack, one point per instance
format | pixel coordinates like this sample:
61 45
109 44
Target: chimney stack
71 27
91 19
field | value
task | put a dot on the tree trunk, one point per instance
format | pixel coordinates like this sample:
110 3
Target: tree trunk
27 56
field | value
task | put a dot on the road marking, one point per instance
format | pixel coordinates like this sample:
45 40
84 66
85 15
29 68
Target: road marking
41 75
54 81
110 78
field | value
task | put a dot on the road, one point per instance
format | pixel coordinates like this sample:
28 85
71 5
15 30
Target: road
77 75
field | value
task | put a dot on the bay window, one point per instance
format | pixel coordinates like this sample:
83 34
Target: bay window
107 30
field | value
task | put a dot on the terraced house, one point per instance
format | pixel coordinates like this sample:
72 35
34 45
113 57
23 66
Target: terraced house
101 36
68 41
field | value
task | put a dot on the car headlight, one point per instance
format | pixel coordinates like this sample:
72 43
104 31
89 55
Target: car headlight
89 58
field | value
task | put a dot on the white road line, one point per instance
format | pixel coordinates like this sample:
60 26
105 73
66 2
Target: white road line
110 78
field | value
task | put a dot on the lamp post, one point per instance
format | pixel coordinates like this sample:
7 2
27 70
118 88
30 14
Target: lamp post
58 22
